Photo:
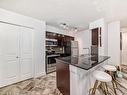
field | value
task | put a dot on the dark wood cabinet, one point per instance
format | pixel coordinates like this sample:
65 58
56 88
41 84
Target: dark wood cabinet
51 35
95 41
60 39
95 36
72 38
63 77
63 40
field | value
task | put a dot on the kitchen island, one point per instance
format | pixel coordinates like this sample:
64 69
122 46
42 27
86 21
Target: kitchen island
75 74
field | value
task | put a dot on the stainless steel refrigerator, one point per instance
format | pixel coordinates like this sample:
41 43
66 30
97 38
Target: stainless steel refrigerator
74 48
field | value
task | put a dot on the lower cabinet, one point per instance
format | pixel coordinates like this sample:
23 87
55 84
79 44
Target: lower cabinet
63 77
16 54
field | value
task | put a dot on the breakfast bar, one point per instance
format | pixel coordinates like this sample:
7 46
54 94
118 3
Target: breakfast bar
75 73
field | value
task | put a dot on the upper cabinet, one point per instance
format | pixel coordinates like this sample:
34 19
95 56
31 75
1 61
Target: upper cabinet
51 35
61 39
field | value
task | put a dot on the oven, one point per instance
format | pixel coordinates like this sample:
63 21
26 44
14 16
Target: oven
51 63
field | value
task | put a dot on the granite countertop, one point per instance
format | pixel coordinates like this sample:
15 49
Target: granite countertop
84 61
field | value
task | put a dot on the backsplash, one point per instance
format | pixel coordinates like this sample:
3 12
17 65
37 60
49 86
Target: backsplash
56 49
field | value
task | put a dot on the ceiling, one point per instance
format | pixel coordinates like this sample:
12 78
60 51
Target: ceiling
78 13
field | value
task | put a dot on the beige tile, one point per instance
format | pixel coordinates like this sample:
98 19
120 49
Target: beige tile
45 85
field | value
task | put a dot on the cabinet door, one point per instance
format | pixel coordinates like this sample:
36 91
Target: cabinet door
26 47
95 36
9 64
63 77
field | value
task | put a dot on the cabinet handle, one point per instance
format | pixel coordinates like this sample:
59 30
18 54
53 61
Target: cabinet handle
100 38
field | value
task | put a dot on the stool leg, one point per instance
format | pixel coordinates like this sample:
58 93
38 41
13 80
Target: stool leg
114 88
108 93
95 87
102 88
114 79
113 82
106 87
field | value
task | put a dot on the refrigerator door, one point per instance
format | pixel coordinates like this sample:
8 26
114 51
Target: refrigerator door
74 48
74 52
74 44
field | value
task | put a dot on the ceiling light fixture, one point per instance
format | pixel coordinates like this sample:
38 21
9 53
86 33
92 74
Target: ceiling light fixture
68 27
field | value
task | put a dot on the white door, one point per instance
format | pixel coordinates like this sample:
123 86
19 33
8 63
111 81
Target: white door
9 65
26 59
16 54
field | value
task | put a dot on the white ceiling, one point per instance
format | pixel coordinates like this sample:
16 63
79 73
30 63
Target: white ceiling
77 13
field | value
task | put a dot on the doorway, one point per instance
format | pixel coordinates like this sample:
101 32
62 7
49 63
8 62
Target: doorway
95 39
124 48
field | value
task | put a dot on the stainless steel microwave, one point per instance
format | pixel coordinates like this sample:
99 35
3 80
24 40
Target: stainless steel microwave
51 42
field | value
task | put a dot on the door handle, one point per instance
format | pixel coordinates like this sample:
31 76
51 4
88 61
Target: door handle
17 57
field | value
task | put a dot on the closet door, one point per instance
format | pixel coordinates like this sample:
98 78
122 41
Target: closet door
9 47
26 47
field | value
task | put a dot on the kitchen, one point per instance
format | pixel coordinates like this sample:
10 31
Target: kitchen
57 45
63 47
71 71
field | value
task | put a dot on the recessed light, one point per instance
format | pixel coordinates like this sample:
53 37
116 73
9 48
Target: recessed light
75 29
63 24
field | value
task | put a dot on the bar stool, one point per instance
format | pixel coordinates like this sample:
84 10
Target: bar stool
110 69
102 78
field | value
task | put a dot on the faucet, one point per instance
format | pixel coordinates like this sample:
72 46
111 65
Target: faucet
88 50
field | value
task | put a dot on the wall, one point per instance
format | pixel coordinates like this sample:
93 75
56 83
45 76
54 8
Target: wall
84 37
114 42
84 41
39 36
103 50
123 29
58 30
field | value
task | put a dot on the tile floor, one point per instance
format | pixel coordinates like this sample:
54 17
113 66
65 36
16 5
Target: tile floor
46 85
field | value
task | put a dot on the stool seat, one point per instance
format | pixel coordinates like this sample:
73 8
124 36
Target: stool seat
102 76
109 67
